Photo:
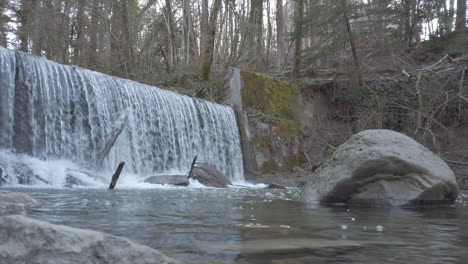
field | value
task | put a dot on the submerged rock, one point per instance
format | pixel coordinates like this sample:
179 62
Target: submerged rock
25 240
209 176
178 180
382 167
19 172
16 198
275 186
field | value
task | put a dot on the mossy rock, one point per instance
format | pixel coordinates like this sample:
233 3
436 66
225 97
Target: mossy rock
268 95
287 129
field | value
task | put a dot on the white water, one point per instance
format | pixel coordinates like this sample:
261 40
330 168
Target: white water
54 112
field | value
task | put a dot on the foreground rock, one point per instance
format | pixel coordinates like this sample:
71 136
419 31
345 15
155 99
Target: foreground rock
16 198
382 167
178 180
209 176
26 240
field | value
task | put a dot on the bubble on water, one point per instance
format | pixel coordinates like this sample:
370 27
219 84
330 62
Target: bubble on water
348 210
379 228
84 202
353 219
107 203
344 227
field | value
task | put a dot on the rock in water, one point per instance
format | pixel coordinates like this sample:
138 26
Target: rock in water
16 198
275 186
25 240
382 167
178 180
209 176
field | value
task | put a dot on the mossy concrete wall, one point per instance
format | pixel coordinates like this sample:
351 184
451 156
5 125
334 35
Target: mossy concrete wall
270 132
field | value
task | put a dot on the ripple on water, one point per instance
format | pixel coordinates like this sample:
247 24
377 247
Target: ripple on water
259 226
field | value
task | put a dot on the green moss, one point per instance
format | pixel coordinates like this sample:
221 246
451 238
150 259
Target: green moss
269 167
268 95
287 129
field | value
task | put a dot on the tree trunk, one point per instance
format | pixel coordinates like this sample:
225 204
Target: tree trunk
129 56
279 34
186 25
259 39
3 23
299 16
172 43
79 41
24 17
460 23
37 30
349 32
451 13
203 27
269 36
93 36
115 61
208 58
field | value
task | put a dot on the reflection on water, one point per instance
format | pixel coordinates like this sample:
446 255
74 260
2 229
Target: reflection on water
260 226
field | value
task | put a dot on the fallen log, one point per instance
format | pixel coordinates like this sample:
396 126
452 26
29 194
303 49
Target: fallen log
116 175
177 180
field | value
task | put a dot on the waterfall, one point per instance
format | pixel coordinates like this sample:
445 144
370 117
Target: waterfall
53 111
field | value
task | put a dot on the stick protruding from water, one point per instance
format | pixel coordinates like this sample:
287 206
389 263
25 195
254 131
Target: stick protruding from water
116 175
191 167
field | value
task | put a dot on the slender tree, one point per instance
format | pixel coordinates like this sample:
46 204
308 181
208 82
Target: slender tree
209 45
460 24
299 16
279 34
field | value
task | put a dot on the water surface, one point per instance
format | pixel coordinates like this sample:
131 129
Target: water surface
260 226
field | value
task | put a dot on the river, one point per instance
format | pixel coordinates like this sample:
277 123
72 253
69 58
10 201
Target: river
254 225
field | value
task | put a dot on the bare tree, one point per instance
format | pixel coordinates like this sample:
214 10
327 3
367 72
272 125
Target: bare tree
460 24
279 34
203 26
208 58
299 16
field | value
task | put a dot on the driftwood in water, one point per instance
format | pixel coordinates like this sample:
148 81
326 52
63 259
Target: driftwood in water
191 168
116 175
119 127
109 144
177 180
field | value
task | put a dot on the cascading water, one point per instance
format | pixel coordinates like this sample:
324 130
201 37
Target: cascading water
53 111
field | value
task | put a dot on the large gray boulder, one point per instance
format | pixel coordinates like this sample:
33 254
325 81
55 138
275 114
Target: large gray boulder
382 167
25 240
209 176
